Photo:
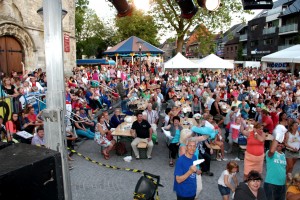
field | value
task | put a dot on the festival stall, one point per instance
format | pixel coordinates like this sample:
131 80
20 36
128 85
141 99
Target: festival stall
131 47
214 62
288 58
179 61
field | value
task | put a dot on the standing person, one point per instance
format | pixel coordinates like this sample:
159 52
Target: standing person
224 181
152 117
185 173
254 154
141 131
175 130
276 173
250 189
292 143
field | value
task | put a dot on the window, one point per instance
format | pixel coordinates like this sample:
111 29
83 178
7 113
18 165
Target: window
236 48
268 41
254 27
254 43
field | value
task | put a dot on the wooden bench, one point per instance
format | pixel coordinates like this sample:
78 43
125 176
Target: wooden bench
142 147
216 148
242 149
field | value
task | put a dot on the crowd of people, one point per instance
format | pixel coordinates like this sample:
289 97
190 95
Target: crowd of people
230 107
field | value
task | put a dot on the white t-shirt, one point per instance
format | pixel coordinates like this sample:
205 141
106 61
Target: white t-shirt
221 178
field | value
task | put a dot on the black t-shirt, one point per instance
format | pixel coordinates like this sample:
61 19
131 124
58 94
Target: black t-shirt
10 91
141 129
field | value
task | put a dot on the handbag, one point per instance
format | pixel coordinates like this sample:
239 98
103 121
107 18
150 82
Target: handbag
242 140
109 136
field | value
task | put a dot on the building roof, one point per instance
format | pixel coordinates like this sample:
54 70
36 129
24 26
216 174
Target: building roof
292 9
235 40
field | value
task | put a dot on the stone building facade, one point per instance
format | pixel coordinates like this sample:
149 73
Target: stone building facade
22 35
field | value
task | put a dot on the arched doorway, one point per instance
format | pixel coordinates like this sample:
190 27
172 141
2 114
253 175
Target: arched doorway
11 55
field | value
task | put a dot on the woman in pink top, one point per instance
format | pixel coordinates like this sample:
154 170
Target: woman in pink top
254 155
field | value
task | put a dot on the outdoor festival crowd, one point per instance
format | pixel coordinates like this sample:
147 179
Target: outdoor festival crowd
202 113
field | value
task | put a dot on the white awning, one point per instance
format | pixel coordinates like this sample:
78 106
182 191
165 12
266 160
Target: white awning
214 62
179 61
289 55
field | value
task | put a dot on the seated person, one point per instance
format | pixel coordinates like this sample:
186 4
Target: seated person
38 139
71 137
31 121
142 132
87 122
81 130
124 106
116 119
293 191
2 130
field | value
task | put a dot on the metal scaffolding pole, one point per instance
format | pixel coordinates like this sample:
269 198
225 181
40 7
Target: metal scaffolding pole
54 114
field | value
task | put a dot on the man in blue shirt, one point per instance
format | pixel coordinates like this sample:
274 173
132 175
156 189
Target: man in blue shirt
185 173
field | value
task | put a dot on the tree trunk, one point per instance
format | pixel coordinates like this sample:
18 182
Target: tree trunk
180 41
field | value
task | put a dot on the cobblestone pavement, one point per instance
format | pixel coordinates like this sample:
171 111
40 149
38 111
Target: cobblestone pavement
92 182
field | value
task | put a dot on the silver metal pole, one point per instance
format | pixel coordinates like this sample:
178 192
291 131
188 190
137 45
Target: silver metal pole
56 105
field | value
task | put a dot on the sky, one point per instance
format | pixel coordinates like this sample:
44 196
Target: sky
107 13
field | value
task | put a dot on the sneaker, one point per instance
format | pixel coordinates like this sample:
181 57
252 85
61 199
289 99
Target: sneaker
225 159
150 158
219 159
225 151
71 167
137 157
237 159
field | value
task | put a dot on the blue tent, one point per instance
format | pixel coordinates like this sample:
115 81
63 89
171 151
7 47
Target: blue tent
95 62
131 46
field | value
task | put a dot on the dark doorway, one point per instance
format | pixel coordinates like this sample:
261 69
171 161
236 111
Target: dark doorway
11 55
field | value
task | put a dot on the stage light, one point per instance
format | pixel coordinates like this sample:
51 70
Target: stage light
122 7
188 8
210 5
257 4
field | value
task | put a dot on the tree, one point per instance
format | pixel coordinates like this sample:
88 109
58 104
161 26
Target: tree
206 40
139 25
167 13
91 34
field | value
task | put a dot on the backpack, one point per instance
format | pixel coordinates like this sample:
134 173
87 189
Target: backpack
121 149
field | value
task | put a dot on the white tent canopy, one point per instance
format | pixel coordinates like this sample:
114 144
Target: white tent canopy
289 55
214 62
179 61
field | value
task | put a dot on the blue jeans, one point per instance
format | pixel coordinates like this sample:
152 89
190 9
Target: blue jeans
89 134
274 192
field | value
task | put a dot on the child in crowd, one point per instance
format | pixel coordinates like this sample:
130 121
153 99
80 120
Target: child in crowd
224 181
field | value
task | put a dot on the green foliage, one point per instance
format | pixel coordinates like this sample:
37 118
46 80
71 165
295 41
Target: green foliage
167 15
139 25
91 34
206 40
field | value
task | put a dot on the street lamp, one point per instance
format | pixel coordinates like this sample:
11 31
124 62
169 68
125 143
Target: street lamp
140 45
55 136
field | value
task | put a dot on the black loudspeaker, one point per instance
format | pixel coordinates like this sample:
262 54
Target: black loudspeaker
3 145
188 8
30 172
257 4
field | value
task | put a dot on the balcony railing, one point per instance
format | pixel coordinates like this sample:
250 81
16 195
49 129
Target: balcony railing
267 31
281 47
290 28
244 52
244 37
